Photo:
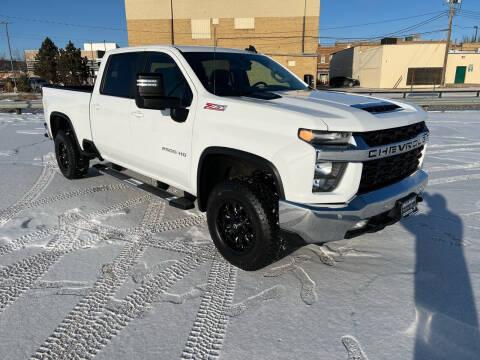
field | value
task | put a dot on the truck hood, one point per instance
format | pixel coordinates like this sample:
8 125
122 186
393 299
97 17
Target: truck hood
337 111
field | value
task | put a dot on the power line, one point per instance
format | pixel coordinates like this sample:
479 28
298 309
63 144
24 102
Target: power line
54 22
381 22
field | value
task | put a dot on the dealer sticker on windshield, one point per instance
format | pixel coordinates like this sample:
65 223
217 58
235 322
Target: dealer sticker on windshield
216 107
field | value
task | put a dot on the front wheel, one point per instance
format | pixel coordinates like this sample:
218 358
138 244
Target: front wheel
71 163
243 223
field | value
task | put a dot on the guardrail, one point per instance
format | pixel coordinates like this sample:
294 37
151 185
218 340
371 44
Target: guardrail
425 102
409 93
19 105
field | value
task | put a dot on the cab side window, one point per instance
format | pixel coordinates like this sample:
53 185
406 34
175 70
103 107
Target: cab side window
174 82
121 74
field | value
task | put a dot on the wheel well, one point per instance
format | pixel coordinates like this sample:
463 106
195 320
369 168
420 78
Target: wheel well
217 165
59 122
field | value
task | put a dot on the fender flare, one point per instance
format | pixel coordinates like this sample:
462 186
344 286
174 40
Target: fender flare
244 155
56 114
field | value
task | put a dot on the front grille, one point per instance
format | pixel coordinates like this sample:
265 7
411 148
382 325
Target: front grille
377 174
390 136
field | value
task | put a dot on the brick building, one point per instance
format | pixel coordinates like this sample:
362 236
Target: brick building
285 30
324 56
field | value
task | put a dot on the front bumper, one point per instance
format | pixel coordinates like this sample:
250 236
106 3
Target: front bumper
318 224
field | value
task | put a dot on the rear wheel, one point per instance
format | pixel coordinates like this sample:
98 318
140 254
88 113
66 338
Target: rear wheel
71 163
243 223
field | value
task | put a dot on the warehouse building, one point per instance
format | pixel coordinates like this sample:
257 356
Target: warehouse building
284 30
406 64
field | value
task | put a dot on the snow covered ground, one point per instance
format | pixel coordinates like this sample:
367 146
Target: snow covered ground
93 269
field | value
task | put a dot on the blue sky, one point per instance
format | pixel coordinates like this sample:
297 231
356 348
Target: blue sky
32 20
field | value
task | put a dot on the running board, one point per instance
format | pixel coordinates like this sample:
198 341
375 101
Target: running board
172 200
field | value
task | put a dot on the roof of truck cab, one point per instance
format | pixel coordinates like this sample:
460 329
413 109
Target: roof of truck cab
191 48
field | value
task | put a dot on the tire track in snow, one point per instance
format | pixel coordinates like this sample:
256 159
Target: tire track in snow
87 311
20 277
71 337
473 165
85 342
210 326
23 240
452 179
446 151
442 146
45 178
10 212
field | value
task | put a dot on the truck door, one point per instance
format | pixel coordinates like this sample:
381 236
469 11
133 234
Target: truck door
110 107
162 145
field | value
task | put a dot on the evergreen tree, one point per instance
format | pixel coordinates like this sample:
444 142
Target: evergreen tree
72 67
46 66
22 84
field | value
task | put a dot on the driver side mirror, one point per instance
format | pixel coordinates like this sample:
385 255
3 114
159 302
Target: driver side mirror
150 93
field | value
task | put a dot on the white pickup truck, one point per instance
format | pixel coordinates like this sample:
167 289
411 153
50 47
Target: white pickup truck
263 154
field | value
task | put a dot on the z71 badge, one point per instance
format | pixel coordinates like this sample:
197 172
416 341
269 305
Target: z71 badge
216 107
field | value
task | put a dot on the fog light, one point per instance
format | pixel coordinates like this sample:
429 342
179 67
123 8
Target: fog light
360 225
327 175
323 168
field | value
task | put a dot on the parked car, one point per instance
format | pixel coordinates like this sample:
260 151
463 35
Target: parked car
257 149
37 84
342 81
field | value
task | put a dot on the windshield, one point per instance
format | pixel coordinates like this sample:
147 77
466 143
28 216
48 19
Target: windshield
237 74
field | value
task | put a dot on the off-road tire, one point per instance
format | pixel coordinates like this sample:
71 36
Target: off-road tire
71 163
259 204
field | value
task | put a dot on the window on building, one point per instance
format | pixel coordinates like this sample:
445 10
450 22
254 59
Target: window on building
121 76
424 76
291 63
244 23
200 28
174 82
322 59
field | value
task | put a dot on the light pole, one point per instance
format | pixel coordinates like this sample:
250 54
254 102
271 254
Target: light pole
476 31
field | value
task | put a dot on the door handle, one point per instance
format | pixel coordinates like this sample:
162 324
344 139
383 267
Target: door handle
137 114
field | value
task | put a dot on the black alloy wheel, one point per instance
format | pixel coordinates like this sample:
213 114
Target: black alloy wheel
71 162
235 226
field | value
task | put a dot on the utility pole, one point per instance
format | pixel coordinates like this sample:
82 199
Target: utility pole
10 51
445 60
303 30
476 32
171 22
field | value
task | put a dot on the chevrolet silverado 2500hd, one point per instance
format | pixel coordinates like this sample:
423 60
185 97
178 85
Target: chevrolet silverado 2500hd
262 153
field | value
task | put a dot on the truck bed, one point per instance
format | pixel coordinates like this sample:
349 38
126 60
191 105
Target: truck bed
72 102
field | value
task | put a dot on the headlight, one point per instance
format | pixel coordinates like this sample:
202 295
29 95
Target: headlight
318 137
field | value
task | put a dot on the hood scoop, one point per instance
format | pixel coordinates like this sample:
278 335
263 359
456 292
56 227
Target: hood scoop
378 108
